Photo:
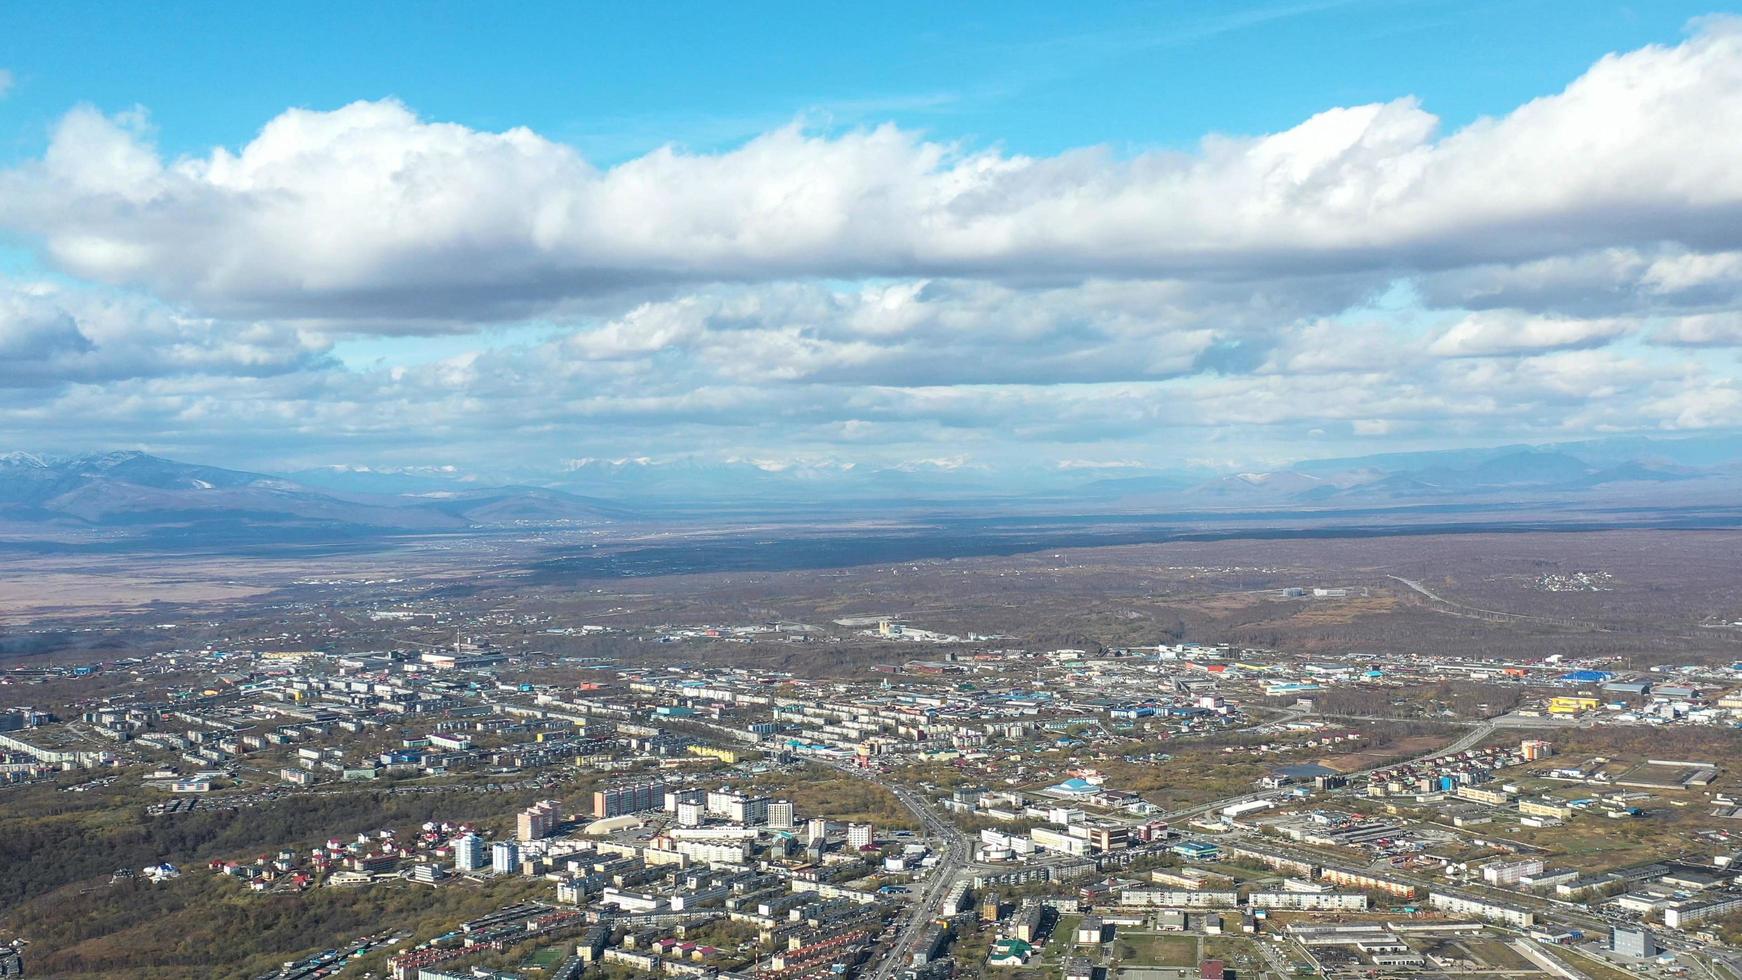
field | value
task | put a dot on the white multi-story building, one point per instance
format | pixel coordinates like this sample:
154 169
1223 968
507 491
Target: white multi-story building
673 797
1180 898
749 811
1309 901
720 802
859 836
714 852
1511 872
469 853
1482 908
1052 840
1690 913
505 857
780 814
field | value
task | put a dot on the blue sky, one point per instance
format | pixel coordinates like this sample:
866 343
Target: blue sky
988 237
619 79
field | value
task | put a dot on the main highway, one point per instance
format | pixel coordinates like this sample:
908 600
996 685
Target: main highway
944 875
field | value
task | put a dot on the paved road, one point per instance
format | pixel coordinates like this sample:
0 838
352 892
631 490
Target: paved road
1458 608
928 905
943 877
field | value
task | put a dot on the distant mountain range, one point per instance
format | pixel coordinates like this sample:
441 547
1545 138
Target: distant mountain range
133 491
1594 470
1526 472
1593 473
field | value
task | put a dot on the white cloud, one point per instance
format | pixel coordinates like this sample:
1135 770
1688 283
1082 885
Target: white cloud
811 299
1712 406
930 332
369 213
6 82
1601 282
53 335
1100 464
1707 330
1324 346
1488 333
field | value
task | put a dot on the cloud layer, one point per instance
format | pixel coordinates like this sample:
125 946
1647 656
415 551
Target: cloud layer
1572 267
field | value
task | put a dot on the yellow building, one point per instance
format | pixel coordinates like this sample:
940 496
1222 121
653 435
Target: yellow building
1534 808
728 756
1492 797
1563 705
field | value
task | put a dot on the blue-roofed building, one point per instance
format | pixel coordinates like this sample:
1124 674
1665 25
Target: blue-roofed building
1587 677
1197 850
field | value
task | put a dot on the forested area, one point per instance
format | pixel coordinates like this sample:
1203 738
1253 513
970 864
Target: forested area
50 839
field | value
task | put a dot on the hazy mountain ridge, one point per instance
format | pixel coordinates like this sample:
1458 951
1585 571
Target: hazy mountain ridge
1521 472
132 489
135 490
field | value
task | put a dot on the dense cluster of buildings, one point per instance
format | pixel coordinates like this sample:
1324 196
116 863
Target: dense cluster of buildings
669 812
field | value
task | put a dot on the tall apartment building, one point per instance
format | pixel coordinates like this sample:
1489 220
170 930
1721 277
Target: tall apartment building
720 801
505 857
674 797
619 800
468 853
859 836
749 811
780 814
537 821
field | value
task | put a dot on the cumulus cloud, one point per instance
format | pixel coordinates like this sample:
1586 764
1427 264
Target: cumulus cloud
814 298
1631 281
512 407
929 332
54 335
1711 406
35 341
1505 332
1708 330
912 370
368 212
